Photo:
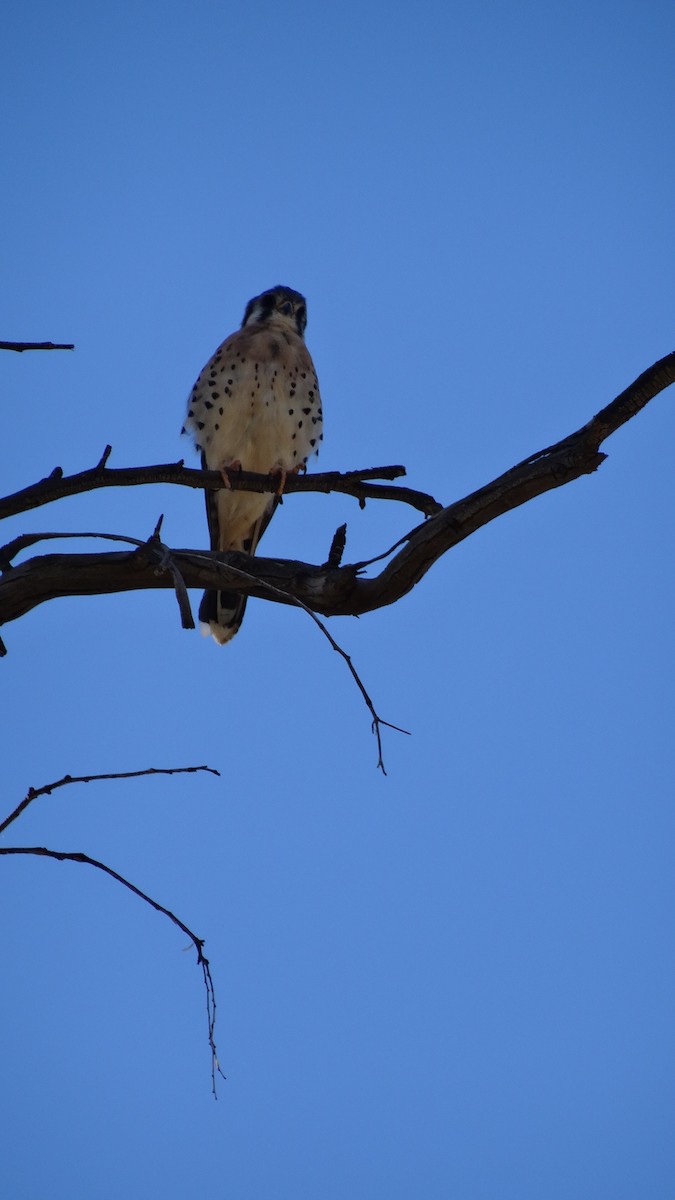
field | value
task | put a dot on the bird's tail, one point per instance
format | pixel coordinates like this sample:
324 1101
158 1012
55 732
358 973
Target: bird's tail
221 614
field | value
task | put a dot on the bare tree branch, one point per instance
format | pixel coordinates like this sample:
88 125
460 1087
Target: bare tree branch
352 483
334 590
21 346
79 857
378 721
47 788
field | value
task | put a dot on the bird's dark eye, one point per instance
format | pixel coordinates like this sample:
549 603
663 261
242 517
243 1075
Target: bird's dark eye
287 308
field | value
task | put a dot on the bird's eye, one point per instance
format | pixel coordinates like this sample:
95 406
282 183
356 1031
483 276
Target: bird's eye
287 308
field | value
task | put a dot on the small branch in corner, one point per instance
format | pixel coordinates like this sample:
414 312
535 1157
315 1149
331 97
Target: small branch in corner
79 857
20 347
47 788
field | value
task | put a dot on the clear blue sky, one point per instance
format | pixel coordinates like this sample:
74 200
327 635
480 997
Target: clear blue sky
457 981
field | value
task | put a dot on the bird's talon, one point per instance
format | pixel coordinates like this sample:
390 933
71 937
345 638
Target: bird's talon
235 465
283 475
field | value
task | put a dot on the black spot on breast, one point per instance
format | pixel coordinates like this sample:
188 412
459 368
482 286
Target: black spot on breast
200 424
208 404
312 441
306 411
220 411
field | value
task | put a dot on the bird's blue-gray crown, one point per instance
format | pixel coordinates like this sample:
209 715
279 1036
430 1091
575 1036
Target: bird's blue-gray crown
278 301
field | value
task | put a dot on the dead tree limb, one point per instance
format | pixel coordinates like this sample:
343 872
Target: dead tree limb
327 589
77 856
352 483
20 347
47 788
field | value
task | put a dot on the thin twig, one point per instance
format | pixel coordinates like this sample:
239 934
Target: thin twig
48 788
78 857
21 346
25 540
378 721
63 856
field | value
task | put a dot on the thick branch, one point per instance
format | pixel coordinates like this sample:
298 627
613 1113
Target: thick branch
327 589
352 483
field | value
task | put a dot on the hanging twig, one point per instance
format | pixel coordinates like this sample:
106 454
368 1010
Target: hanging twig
78 857
378 721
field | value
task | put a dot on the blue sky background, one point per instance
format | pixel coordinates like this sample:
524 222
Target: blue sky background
458 980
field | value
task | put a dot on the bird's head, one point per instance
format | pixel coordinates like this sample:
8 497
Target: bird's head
278 304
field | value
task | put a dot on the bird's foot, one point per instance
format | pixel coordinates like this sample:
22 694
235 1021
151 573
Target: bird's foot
281 475
225 468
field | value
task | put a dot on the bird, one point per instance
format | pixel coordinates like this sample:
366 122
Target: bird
255 407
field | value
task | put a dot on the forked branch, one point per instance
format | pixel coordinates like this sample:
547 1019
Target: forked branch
78 857
327 589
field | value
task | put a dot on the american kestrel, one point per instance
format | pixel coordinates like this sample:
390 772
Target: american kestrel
255 407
